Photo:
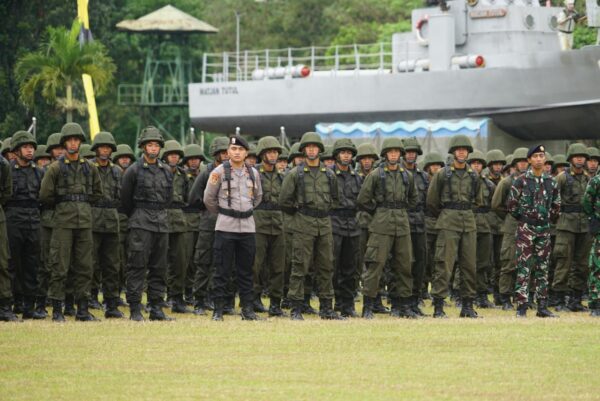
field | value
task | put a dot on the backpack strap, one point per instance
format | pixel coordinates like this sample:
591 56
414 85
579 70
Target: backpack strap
381 170
301 184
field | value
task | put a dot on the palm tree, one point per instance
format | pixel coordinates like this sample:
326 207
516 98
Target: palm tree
58 66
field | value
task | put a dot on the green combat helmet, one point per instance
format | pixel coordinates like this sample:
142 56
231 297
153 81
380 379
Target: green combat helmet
391 143
594 153
104 138
412 144
327 154
21 138
218 145
460 141
171 146
53 142
495 156
520 154
549 159
192 151
266 143
311 138
343 144
85 151
560 160
253 151
509 160
366 149
433 158
40 153
148 134
5 147
71 130
295 152
284 154
476 155
123 150
577 149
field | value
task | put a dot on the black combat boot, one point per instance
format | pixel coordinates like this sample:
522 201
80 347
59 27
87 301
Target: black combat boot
135 312
425 295
83 314
70 305
542 309
189 297
306 307
405 310
506 304
258 306
229 306
483 302
467 309
574 305
497 298
553 299
367 312
40 309
112 309
378 306
57 311
208 303
199 309
522 310
395 306
156 312
285 303
275 308
6 312
458 302
217 315
594 308
438 308
348 308
296 310
28 307
94 303
561 304
18 306
247 311
179 305
414 306
326 311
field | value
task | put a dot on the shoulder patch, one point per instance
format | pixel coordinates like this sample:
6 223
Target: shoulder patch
214 178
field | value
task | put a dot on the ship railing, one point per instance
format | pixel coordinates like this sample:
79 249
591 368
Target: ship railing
232 66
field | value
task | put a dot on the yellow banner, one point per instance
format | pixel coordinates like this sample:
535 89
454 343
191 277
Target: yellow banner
82 13
88 86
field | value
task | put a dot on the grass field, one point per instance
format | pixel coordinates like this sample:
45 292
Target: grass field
494 358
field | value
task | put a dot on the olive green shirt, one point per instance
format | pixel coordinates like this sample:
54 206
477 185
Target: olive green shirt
499 205
177 220
268 216
22 210
571 187
104 212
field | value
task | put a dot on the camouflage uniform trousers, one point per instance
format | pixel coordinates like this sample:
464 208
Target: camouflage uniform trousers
533 257
594 264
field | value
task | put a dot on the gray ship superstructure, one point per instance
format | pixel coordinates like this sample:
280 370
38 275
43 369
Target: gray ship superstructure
497 59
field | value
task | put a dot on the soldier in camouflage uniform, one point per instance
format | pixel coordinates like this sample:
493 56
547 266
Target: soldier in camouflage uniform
146 192
416 217
453 194
71 184
308 194
6 188
506 283
387 193
573 243
345 228
270 240
592 162
203 251
177 257
533 201
105 226
495 161
591 207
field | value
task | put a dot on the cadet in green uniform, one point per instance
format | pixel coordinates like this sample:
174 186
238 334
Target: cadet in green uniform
309 193
23 221
560 164
71 184
203 251
6 151
178 229
453 194
592 162
270 241
105 226
484 233
345 228
573 242
55 151
432 163
41 157
282 160
193 157
6 188
146 193
387 193
495 161
416 217
327 158
506 282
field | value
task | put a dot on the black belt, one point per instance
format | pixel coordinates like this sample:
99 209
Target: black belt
571 208
25 204
73 198
319 214
268 206
106 205
567 32
347 213
392 205
532 222
235 213
150 205
482 210
457 206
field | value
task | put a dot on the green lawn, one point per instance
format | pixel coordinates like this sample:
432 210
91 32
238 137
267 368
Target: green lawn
494 358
